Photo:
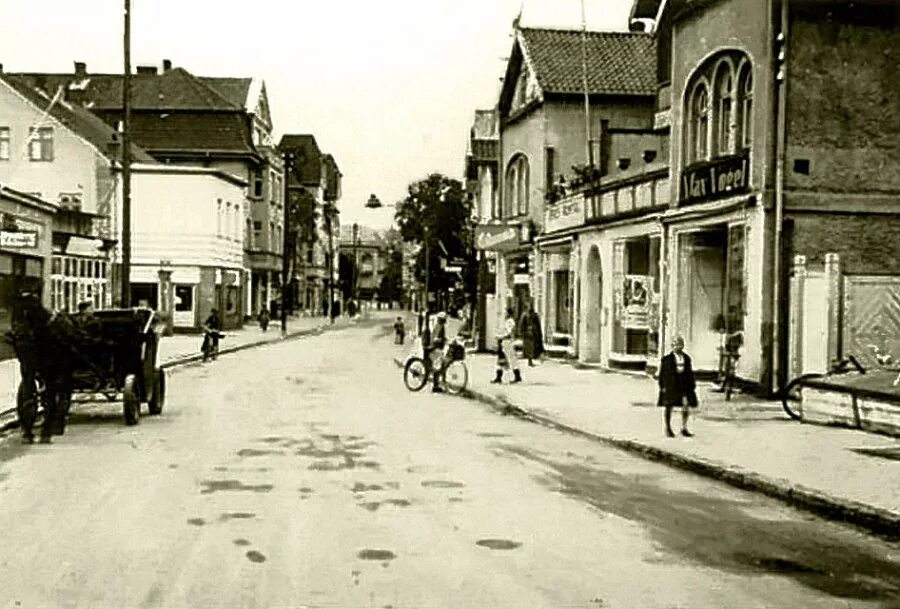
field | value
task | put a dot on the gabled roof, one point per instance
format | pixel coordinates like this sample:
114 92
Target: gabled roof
174 89
309 156
73 117
618 63
201 132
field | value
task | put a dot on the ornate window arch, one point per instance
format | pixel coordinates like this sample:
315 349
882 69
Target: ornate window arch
718 107
517 186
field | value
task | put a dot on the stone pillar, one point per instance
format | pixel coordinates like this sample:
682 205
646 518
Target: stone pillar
834 279
166 301
796 320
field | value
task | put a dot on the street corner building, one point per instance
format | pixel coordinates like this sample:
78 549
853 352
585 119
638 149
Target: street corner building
735 175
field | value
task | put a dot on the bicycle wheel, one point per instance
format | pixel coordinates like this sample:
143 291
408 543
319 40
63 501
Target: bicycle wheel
415 374
792 395
456 376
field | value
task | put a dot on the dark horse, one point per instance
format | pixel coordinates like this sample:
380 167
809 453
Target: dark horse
44 346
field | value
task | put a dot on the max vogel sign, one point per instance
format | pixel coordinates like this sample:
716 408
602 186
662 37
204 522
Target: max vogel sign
497 238
715 179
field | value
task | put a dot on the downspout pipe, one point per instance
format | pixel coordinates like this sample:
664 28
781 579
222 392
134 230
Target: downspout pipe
781 89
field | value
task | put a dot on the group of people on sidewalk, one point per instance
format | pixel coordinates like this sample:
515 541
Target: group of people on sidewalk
529 329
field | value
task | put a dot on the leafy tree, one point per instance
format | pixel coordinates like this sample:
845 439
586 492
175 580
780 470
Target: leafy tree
437 212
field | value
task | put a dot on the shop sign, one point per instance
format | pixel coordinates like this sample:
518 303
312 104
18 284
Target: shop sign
715 179
567 213
662 120
498 238
637 302
18 238
521 279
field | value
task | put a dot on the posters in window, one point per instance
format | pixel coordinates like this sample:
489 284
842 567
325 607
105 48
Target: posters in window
637 302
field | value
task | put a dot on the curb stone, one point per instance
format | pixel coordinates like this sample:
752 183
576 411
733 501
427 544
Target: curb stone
879 521
190 359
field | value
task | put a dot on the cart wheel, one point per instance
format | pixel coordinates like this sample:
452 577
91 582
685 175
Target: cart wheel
415 373
131 404
158 397
456 376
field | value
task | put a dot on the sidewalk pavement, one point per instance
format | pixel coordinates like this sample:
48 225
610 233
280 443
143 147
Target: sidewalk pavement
179 349
842 474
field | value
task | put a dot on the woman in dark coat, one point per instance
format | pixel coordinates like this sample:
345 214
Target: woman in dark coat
532 337
677 386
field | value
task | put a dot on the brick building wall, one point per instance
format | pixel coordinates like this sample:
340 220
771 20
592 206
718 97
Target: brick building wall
866 243
844 100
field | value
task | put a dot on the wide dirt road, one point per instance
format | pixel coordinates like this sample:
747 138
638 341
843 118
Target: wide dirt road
304 474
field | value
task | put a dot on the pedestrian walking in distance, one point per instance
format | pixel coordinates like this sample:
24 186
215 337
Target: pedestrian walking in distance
532 337
506 337
677 386
264 318
399 331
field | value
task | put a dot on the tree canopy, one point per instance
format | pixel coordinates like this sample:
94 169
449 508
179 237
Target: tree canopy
438 208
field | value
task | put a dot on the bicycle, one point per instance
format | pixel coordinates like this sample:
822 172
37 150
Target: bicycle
729 354
793 391
454 375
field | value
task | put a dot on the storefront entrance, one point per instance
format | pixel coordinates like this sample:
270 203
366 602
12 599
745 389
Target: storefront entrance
710 293
636 321
18 274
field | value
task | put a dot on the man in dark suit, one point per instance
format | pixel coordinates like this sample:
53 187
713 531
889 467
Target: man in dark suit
677 386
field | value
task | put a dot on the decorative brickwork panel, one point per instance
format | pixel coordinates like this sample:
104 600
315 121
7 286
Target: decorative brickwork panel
871 316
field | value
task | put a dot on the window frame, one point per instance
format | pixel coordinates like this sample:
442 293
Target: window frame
40 139
517 186
5 143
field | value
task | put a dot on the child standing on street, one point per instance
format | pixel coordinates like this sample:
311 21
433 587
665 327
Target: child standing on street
399 331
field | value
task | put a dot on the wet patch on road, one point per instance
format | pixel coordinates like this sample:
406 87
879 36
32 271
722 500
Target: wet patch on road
374 506
442 484
359 487
255 452
487 434
173 466
215 486
455 499
729 532
197 522
498 544
236 516
254 556
892 453
240 541
378 555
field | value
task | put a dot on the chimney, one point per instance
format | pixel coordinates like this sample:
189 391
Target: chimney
114 147
146 70
80 69
167 65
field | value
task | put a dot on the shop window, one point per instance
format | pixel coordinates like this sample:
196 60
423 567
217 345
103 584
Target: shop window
735 285
40 144
184 298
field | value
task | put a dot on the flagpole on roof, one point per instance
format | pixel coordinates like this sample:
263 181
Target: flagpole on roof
126 163
589 157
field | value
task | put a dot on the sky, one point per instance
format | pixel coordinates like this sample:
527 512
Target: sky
389 88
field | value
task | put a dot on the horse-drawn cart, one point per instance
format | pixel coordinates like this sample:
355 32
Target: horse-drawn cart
112 355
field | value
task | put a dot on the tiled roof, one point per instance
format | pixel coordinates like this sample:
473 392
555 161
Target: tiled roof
80 121
619 63
191 131
174 89
234 90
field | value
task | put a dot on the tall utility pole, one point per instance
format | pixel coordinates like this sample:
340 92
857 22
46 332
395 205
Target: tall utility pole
126 163
286 242
589 156
329 219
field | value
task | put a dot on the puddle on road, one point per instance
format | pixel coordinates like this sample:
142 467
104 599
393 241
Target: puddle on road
214 486
486 434
173 466
379 555
240 541
254 556
442 484
236 516
732 534
197 522
359 487
498 544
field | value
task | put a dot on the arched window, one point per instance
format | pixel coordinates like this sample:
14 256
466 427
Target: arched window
517 186
699 124
745 97
718 108
724 109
